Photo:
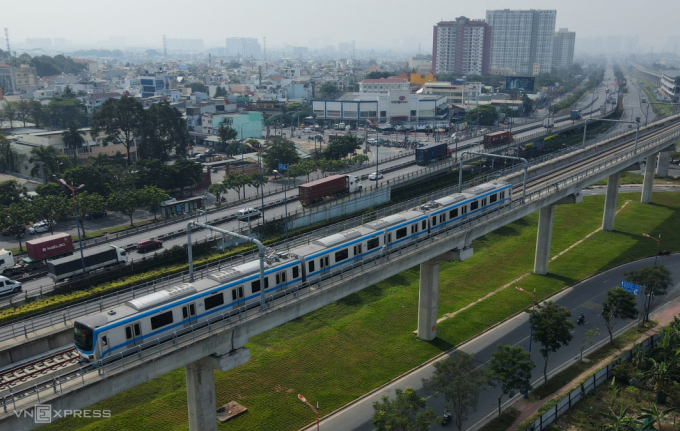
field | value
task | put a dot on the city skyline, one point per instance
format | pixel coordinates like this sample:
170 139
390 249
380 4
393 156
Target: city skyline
301 24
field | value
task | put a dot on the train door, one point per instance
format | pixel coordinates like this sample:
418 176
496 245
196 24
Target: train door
189 314
358 252
237 295
103 343
324 265
133 334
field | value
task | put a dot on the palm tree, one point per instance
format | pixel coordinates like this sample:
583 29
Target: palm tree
659 377
44 157
73 139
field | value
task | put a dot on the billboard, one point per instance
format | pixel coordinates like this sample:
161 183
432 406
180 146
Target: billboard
525 83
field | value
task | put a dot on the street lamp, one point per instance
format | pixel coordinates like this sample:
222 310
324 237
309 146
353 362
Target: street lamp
75 209
531 333
285 197
243 167
304 400
658 244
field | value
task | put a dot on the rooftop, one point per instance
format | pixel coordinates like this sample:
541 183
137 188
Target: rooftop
390 80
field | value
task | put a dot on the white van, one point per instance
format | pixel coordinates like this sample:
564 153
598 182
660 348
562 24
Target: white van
7 285
246 214
306 130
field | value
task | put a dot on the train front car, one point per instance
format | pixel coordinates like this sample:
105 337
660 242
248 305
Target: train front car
84 336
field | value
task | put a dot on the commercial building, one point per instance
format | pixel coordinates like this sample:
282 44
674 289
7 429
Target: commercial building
383 85
247 125
243 47
457 92
670 84
520 38
7 81
462 47
563 48
25 76
394 105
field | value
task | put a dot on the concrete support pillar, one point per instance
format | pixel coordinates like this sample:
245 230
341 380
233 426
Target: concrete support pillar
610 202
200 380
428 300
664 163
543 239
648 183
428 294
201 396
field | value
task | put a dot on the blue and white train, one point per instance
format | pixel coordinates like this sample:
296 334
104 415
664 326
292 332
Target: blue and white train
162 313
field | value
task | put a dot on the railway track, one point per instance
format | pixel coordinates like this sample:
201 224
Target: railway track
559 173
29 374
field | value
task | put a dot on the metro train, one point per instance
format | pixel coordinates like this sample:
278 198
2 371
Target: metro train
162 313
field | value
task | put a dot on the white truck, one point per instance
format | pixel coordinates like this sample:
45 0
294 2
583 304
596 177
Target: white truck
548 122
8 266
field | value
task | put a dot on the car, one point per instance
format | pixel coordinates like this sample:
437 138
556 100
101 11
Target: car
148 244
94 215
7 285
375 176
42 226
247 214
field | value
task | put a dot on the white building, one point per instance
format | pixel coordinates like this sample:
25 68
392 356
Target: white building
461 47
383 85
457 93
563 49
521 38
394 105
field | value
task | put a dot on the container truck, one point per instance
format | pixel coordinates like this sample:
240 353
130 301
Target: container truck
335 185
71 266
38 250
426 154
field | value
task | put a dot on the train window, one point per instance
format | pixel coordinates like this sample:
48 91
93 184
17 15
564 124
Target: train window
484 202
401 233
237 293
389 238
341 255
414 228
214 301
255 286
185 312
296 271
474 205
357 249
493 198
442 218
311 266
283 277
502 195
424 225
278 279
434 221
463 209
138 332
161 320
453 213
105 341
372 243
192 309
128 332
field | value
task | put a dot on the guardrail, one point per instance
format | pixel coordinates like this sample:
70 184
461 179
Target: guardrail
48 319
180 339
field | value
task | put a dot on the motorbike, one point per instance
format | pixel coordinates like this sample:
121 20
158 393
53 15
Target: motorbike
446 418
581 319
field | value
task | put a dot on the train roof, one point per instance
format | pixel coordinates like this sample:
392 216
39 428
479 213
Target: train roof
452 199
393 219
331 241
499 133
484 188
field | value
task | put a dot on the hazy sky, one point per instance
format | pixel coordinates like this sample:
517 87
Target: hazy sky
372 23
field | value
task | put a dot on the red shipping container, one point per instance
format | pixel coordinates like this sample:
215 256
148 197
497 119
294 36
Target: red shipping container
49 246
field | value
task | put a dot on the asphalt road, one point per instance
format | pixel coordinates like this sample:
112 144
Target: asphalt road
585 297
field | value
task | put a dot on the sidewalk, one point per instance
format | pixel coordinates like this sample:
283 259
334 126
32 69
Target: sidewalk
664 316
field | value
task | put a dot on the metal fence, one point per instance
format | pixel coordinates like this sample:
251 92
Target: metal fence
55 386
601 376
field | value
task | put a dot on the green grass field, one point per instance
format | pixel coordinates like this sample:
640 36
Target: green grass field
350 347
